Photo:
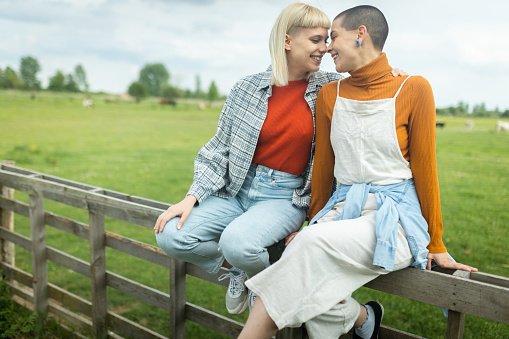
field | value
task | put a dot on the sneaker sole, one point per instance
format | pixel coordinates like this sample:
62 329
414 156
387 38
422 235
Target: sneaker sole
240 310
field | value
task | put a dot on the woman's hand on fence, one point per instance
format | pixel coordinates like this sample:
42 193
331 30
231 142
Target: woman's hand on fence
290 238
182 210
443 260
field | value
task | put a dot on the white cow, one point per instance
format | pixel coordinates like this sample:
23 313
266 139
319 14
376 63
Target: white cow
88 103
502 126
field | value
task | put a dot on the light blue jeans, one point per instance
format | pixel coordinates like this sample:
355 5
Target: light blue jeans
260 215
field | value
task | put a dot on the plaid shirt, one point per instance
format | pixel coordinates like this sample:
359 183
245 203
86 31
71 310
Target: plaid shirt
221 165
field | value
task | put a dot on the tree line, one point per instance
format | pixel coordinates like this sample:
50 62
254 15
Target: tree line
154 80
26 78
478 111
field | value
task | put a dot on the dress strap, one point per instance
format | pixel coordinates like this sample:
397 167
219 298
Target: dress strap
400 87
339 81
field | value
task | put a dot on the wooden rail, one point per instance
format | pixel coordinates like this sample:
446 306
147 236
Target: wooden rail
479 294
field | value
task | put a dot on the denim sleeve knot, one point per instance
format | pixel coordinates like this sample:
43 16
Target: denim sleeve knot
395 203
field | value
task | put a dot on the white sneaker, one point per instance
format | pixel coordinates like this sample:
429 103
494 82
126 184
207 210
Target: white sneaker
237 294
251 298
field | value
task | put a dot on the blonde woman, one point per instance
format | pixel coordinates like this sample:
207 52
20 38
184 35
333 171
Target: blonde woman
252 180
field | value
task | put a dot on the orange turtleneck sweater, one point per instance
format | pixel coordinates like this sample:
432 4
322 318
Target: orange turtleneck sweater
415 128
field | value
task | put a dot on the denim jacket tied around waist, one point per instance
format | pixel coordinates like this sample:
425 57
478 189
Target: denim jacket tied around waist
395 203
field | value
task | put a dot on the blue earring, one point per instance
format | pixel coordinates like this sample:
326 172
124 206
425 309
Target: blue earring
358 43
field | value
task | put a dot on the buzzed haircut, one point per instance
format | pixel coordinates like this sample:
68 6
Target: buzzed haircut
369 16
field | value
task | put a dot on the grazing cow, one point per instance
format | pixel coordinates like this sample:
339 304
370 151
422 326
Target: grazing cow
440 124
87 103
469 124
168 102
502 126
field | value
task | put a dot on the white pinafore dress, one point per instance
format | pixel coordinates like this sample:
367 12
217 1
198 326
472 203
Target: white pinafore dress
313 281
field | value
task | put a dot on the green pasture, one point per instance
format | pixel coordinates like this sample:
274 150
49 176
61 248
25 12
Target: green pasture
148 150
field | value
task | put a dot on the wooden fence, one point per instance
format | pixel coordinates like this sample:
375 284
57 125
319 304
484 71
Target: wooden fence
479 294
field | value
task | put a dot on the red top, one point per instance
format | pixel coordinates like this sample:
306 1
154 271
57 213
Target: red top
285 140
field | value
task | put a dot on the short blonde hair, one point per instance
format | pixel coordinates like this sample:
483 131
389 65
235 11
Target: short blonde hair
294 16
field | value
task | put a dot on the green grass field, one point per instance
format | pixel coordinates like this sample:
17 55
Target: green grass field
148 150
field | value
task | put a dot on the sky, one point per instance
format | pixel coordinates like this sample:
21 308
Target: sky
460 46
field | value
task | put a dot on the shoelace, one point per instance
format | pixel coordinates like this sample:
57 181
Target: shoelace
236 283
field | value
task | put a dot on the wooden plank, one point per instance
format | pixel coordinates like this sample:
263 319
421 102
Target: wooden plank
72 302
67 225
177 299
118 195
38 236
454 293
115 208
7 253
68 261
21 291
137 200
15 274
198 272
392 333
98 274
17 239
140 291
455 325
213 321
291 333
73 318
15 206
137 249
490 279
130 328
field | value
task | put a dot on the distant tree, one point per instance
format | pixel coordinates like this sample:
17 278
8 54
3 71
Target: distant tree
198 93
138 90
505 114
480 110
81 78
70 84
2 78
462 108
154 76
170 92
11 79
213 92
29 67
57 82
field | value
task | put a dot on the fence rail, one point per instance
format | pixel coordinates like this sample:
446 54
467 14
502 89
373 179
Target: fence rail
479 294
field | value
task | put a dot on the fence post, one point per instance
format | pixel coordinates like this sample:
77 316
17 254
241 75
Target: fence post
98 274
38 235
7 221
290 333
455 325
177 299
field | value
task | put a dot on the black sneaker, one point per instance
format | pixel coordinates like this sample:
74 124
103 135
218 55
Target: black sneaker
378 309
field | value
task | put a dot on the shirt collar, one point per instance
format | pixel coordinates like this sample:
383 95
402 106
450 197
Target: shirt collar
266 80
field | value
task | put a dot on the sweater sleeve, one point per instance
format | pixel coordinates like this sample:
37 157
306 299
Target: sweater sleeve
323 167
423 162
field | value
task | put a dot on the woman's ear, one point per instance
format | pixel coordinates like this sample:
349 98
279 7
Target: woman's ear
362 32
288 42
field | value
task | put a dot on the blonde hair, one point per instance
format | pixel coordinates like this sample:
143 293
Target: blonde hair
295 16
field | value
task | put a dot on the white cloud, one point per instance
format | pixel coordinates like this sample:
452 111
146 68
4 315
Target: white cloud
479 45
454 44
